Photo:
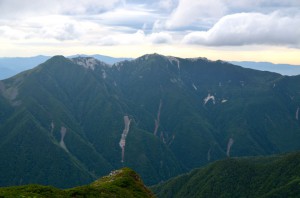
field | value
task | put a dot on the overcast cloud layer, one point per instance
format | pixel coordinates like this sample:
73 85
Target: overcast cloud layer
134 22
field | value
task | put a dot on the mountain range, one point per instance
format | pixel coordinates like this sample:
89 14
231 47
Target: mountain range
12 66
69 121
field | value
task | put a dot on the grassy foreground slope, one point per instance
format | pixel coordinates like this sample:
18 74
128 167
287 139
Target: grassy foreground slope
120 183
276 176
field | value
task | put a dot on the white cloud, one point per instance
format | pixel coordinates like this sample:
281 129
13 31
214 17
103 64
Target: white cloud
160 37
166 4
123 39
10 33
46 28
250 28
126 17
139 37
62 32
189 12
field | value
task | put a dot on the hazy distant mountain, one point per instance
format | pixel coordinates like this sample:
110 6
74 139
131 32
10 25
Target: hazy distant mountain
69 121
6 73
276 176
12 66
284 69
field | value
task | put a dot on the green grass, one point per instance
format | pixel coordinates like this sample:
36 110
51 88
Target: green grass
121 183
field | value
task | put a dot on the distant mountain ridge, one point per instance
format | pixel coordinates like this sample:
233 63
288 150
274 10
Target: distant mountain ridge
159 115
284 69
14 65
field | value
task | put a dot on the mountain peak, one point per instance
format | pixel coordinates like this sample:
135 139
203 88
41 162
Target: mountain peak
150 56
88 62
56 59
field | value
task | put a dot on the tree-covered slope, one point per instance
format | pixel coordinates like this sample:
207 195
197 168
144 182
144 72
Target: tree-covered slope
119 183
206 108
65 119
276 176
162 116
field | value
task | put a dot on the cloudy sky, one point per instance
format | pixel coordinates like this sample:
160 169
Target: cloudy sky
256 30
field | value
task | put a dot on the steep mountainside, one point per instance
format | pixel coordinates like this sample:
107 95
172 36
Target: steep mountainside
277 176
161 116
65 121
119 183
